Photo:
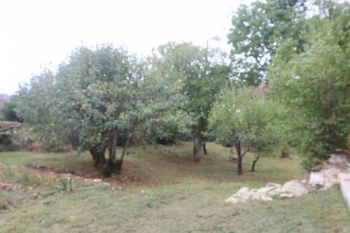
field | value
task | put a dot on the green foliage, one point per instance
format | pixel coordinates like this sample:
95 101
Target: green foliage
315 83
8 111
100 95
257 31
12 136
245 117
199 73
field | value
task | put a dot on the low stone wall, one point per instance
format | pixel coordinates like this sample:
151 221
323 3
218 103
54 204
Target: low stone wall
321 180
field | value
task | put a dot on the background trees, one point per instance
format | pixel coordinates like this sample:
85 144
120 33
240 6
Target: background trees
102 97
95 98
258 30
315 83
200 73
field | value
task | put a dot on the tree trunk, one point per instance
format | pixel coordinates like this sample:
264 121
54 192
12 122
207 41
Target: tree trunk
98 155
204 149
112 143
195 153
240 166
197 145
255 161
126 144
239 158
113 165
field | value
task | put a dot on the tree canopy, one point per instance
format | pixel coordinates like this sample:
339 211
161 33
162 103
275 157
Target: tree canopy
315 83
200 74
248 120
257 31
97 96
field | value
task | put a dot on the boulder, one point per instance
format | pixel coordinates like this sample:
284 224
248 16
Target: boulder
316 179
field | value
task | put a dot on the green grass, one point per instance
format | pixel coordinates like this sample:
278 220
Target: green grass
164 191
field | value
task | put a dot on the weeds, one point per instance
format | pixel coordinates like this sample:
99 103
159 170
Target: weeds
8 173
66 184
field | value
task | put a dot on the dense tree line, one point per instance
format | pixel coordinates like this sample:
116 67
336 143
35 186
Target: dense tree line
287 84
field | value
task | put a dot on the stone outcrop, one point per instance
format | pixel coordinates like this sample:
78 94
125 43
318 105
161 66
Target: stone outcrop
271 191
321 180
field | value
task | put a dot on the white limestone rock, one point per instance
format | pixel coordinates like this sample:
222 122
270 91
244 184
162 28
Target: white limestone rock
232 200
275 192
338 159
316 179
266 189
294 187
275 185
266 198
286 195
243 190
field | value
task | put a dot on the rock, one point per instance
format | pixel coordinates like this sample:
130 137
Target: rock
294 187
331 172
286 195
316 179
338 159
256 196
329 183
243 190
274 192
245 196
266 198
232 200
345 186
330 177
344 176
275 185
265 189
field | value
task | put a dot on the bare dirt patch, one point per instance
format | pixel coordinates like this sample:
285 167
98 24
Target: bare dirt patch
88 174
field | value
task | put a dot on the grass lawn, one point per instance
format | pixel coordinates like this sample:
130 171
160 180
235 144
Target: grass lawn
159 191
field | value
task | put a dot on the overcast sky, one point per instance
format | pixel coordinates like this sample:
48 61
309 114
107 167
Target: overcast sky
37 33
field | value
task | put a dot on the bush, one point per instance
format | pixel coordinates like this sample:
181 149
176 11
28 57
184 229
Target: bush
8 112
13 136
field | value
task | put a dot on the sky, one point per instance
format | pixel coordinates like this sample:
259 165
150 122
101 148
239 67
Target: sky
42 33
